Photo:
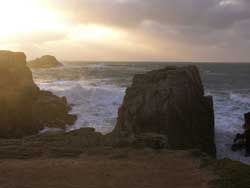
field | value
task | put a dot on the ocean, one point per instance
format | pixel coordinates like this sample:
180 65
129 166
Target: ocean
96 90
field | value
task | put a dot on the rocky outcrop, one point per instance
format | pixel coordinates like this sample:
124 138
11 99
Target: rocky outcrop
46 61
52 111
24 109
170 102
52 145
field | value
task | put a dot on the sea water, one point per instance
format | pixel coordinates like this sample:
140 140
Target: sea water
96 90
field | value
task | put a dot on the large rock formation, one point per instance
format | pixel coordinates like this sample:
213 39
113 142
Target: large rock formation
46 61
24 109
170 102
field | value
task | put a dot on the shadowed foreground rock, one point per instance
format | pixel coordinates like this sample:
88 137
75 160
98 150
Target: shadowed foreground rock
24 109
46 61
170 102
51 145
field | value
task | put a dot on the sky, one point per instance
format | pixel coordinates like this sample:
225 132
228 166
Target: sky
128 30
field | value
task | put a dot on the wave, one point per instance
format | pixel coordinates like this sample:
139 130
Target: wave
95 106
97 65
240 97
211 73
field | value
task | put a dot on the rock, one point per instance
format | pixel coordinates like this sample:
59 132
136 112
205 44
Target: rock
46 61
52 111
17 94
56 145
24 109
170 102
150 140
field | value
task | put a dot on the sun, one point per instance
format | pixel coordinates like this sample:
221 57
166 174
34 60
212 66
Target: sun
20 16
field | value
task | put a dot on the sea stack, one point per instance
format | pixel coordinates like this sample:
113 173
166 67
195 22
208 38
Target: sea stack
24 108
46 61
169 102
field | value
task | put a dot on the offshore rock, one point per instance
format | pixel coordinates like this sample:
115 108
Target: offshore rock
46 61
169 102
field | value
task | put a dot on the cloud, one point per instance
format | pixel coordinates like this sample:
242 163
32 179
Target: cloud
209 30
206 13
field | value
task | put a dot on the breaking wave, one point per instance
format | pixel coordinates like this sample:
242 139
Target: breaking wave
95 106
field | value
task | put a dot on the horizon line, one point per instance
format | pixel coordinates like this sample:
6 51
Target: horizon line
157 61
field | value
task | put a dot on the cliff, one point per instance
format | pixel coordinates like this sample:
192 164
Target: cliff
24 109
46 61
169 102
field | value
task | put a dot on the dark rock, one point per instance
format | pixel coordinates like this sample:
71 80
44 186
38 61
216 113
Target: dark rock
231 174
151 140
56 145
46 61
52 111
170 102
17 94
24 109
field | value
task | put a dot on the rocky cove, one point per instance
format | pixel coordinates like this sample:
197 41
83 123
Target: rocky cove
164 110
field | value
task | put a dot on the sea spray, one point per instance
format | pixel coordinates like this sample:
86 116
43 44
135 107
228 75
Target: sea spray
95 106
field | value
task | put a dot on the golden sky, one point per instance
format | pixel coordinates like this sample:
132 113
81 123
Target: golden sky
190 30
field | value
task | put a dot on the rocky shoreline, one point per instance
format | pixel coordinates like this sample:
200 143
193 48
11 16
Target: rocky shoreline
164 115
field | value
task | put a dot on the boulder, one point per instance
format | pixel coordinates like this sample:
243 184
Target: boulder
24 108
46 61
169 102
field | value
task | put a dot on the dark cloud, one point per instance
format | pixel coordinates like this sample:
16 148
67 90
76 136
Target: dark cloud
206 13
220 25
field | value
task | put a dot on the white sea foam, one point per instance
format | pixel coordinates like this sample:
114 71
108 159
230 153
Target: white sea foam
51 130
239 97
229 109
95 106
97 65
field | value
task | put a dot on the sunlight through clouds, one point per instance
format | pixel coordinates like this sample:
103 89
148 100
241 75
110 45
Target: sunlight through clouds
23 16
94 33
161 29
